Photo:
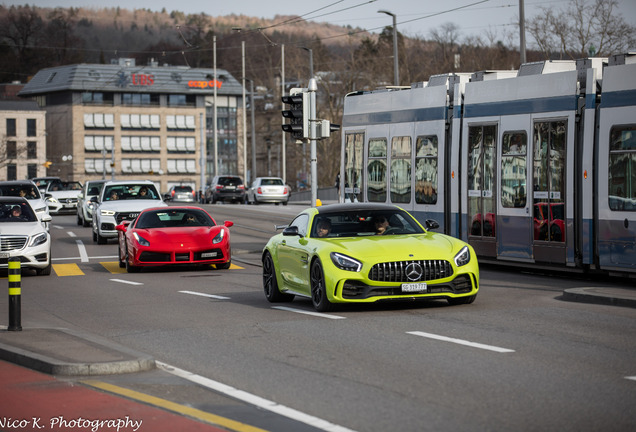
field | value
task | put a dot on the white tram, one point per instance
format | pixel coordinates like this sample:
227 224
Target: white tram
532 166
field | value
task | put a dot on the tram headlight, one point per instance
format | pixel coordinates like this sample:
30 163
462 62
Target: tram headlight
463 257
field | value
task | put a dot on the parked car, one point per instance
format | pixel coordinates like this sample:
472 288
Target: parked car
61 196
225 188
23 236
181 194
268 190
27 189
365 253
85 206
173 236
121 201
43 182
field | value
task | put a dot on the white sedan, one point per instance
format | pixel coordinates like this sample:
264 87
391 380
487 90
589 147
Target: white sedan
268 190
23 236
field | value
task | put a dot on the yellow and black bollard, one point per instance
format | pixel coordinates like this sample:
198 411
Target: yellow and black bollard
15 293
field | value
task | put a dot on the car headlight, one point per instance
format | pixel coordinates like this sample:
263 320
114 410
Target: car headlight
38 239
107 212
51 200
142 241
40 209
344 262
219 237
463 257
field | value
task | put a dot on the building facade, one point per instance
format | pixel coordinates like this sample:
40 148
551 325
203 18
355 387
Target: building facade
22 140
123 121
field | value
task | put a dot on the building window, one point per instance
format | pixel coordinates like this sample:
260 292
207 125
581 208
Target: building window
99 121
32 170
98 143
140 121
32 149
139 99
12 150
144 144
11 127
97 98
31 127
181 100
140 166
180 122
12 172
182 166
181 144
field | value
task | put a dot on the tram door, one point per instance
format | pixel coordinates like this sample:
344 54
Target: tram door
549 144
482 144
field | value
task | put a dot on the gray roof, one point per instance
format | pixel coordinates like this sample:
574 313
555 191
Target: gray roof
18 105
119 78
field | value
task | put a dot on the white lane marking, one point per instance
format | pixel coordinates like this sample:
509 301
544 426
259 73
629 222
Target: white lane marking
126 282
254 400
82 251
71 234
461 342
76 258
321 315
633 378
218 297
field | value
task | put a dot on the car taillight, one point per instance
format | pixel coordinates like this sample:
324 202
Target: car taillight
285 190
172 193
241 186
219 187
194 194
259 191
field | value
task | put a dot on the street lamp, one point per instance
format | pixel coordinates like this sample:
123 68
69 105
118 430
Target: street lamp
396 71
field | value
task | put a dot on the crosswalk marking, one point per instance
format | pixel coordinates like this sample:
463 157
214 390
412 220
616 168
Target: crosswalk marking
67 270
111 266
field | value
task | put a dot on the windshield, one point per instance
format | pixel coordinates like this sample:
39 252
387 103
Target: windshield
57 185
130 192
358 223
16 212
271 182
230 181
26 190
174 218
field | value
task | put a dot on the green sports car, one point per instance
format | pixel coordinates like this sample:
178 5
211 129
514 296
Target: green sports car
362 253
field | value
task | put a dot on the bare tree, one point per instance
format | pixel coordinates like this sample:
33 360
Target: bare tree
585 27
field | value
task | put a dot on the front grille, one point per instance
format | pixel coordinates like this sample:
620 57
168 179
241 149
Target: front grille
397 271
126 216
357 290
10 243
155 257
68 200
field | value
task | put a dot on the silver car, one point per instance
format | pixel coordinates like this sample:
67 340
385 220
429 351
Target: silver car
268 190
27 189
85 207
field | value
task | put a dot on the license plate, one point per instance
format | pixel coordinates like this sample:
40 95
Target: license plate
208 254
4 254
414 287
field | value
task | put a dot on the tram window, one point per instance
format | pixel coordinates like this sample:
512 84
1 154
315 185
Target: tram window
377 170
513 169
401 169
353 165
622 168
426 169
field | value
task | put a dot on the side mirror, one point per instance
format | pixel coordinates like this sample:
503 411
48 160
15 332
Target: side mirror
123 227
291 231
47 218
228 223
431 224
94 199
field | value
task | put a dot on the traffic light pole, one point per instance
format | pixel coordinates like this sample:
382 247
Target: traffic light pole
312 88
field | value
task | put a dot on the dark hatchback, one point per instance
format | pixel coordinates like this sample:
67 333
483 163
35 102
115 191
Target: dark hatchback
225 188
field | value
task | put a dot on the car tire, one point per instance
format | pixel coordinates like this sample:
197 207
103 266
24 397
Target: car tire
270 284
455 301
85 223
80 221
122 263
101 240
223 266
94 235
129 267
318 289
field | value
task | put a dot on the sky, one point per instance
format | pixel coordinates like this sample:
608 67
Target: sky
414 17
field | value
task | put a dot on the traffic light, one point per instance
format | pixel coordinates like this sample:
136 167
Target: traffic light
326 127
298 114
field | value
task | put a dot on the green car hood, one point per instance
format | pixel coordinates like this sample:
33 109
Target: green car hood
397 247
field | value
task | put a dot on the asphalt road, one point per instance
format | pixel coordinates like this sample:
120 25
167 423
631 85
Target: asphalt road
519 358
